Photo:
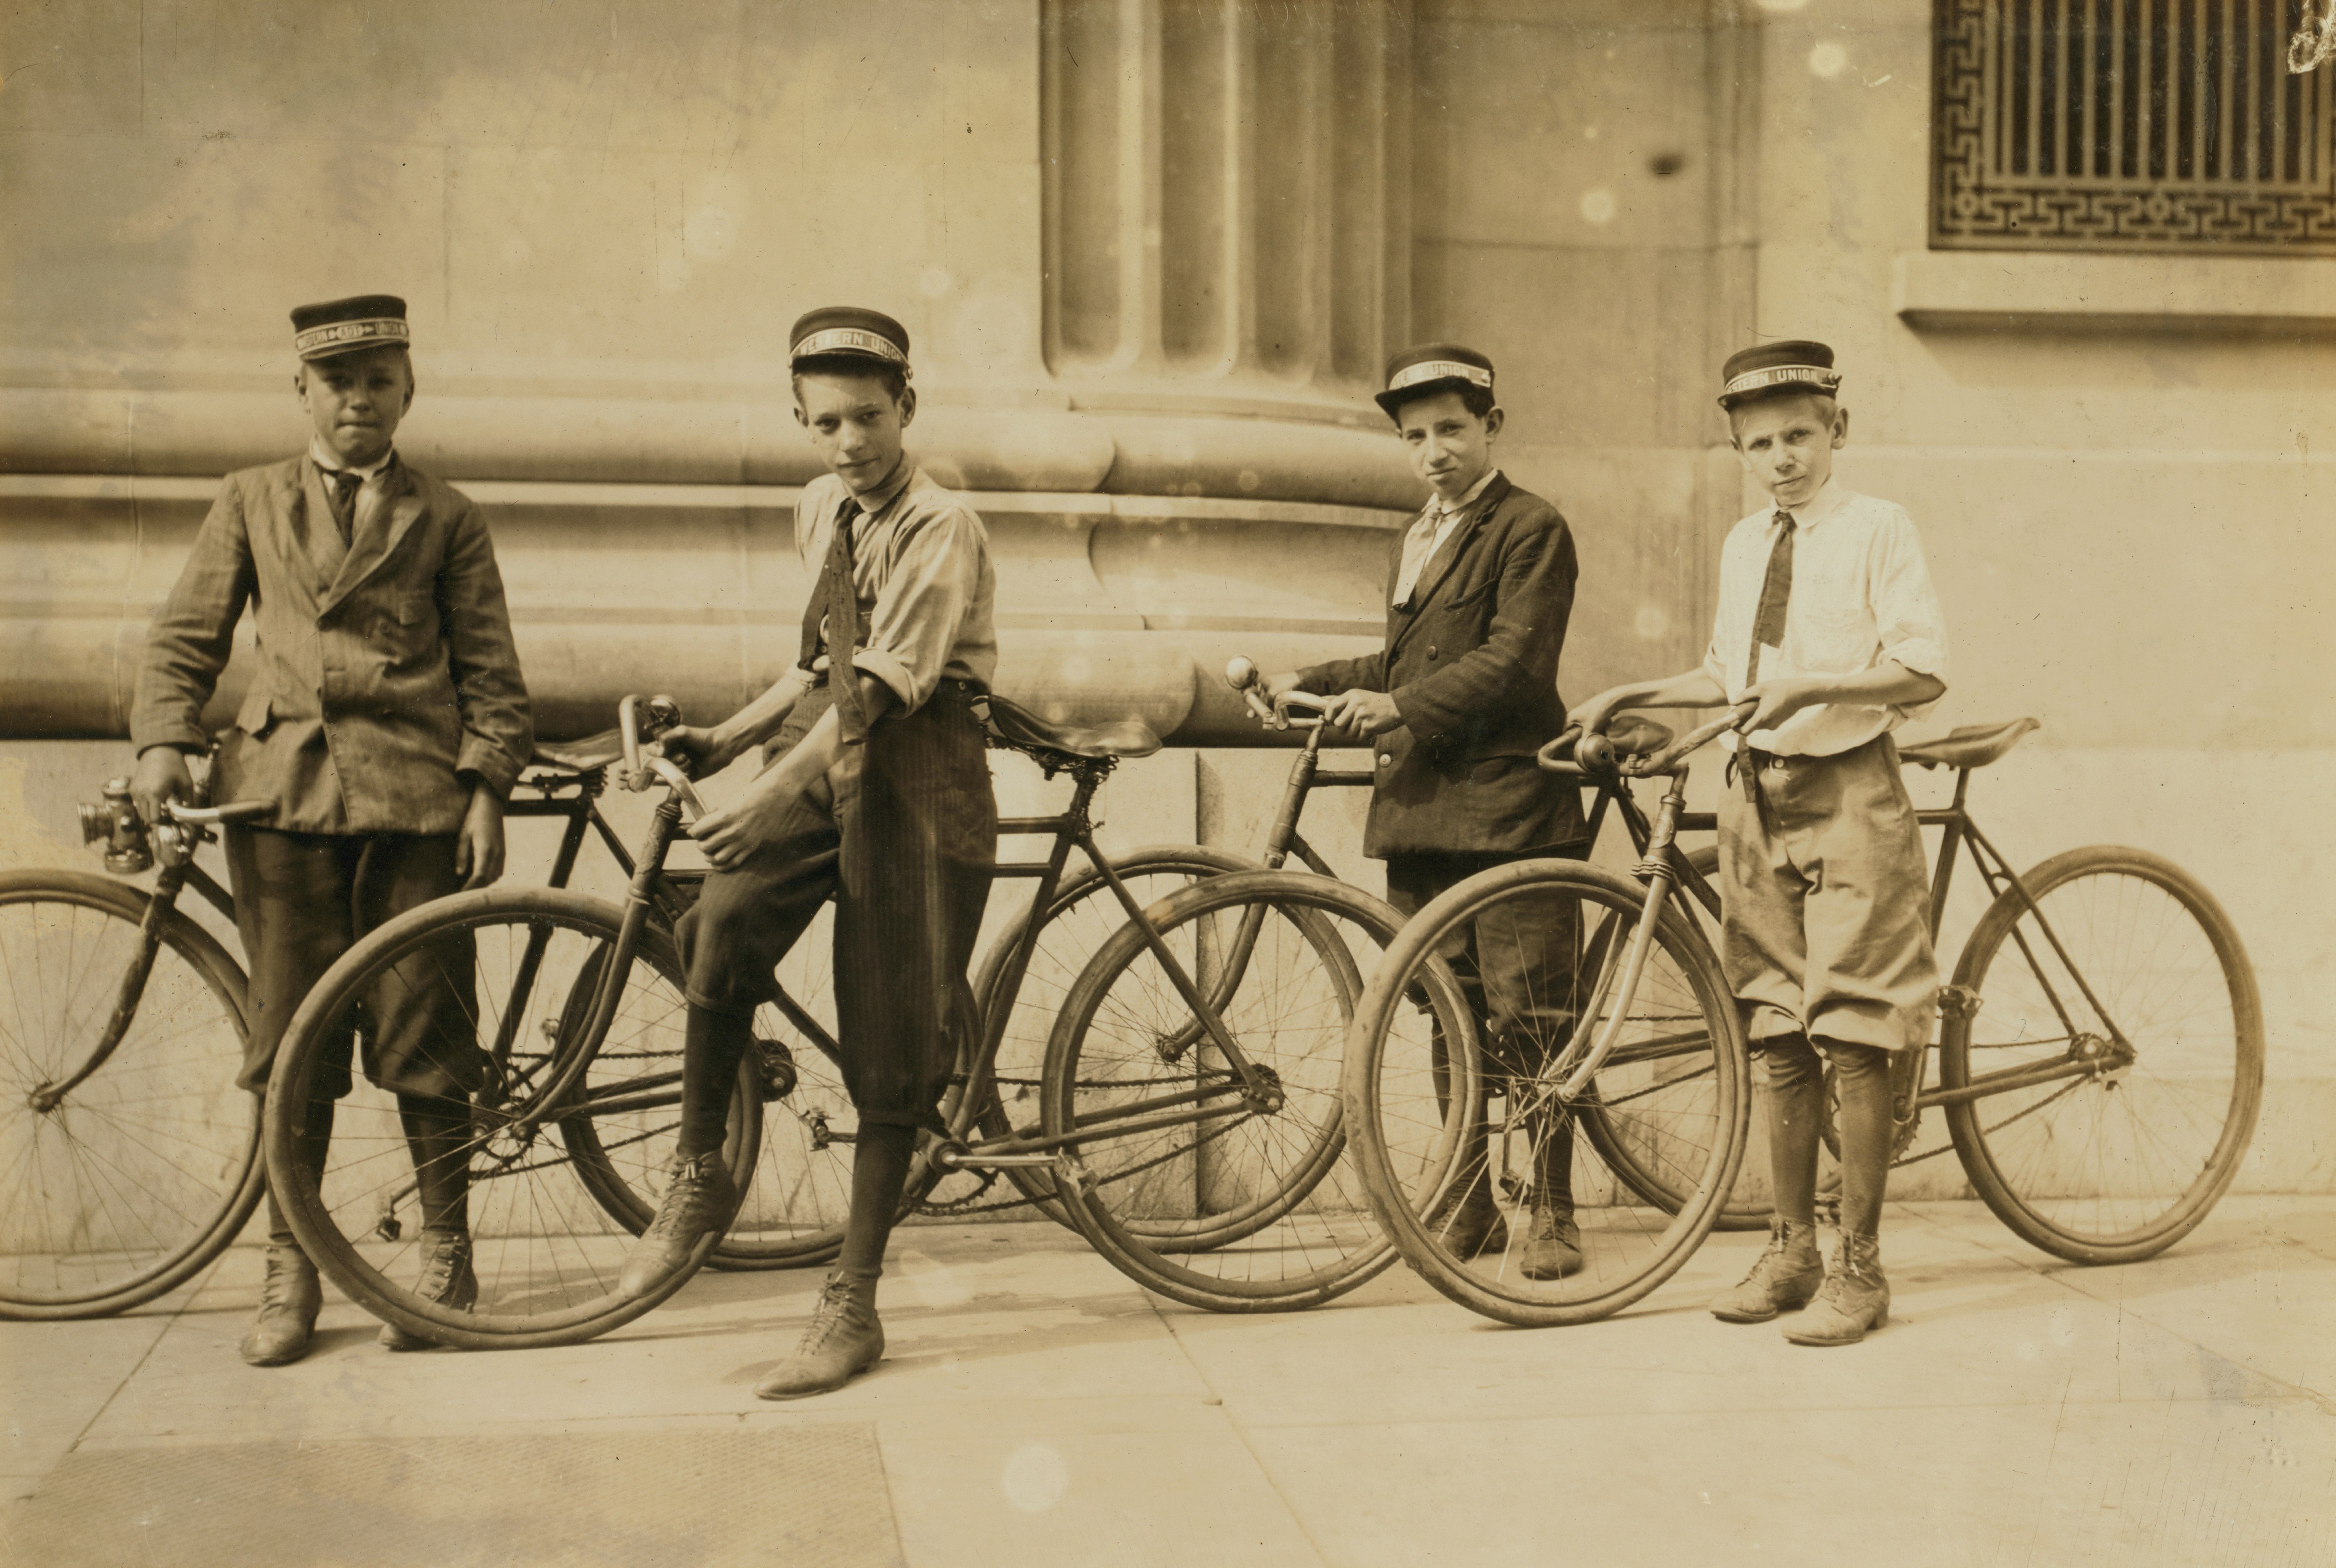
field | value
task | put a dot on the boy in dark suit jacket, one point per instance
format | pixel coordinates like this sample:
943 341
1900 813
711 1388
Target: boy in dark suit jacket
1480 588
386 722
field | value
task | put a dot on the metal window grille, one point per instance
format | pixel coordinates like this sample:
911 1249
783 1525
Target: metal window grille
2130 125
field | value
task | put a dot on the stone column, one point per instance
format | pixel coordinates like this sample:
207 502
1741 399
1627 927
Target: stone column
1226 202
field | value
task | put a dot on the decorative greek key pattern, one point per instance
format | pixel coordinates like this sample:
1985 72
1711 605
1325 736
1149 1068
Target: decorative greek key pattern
2129 125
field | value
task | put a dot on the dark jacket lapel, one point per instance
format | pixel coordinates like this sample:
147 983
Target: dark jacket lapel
377 537
1439 566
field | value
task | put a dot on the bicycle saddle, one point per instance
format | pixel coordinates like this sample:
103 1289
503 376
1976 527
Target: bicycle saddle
1634 736
1969 745
579 756
1014 725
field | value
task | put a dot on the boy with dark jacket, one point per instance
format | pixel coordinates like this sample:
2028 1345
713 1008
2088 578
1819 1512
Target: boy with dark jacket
1479 590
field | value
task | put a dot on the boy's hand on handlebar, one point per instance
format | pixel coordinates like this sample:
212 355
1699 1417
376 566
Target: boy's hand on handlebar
700 751
1774 702
1364 714
161 778
1592 716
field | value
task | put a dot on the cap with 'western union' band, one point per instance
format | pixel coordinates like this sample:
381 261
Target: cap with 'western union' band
1429 368
1777 370
848 332
342 326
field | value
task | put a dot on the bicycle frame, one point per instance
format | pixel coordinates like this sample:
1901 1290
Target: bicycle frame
1960 837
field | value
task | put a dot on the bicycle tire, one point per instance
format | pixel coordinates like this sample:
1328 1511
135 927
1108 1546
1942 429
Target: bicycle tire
545 1252
2166 962
1254 1210
1745 1210
149 1168
1078 920
626 1189
1417 1141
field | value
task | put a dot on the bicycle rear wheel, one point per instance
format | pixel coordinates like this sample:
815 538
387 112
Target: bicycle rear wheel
1437 1119
1222 1199
2137 1113
556 1186
140 1174
1081 915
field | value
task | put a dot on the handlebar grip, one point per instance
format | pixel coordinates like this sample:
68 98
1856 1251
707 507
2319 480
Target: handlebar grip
1307 700
208 816
1557 755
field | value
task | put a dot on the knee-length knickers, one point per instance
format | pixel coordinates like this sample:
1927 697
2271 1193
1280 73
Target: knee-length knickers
906 848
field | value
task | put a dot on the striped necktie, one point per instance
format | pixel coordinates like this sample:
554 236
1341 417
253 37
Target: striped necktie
347 483
837 603
1775 592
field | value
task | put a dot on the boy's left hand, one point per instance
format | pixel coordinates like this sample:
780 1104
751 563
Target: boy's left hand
479 847
1361 712
731 835
1774 702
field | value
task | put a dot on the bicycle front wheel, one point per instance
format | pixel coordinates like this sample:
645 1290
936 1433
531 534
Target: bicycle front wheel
1448 1124
2103 1127
125 1185
1217 1188
567 1135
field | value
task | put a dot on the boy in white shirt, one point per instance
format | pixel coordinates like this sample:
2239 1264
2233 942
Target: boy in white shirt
1828 625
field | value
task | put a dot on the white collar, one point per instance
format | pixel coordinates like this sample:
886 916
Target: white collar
1817 507
330 464
1442 509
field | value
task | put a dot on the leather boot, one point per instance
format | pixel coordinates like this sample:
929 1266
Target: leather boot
1785 1277
842 1340
289 1297
699 1197
1553 1248
446 1279
1468 1225
1855 1297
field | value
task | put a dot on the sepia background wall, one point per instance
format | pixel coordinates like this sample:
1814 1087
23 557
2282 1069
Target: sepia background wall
1152 253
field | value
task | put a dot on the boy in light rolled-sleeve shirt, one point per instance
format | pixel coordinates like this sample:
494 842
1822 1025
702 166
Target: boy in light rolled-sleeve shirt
877 795
1827 624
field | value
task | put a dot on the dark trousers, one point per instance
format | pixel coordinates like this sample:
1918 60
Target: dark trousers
302 900
1518 970
905 842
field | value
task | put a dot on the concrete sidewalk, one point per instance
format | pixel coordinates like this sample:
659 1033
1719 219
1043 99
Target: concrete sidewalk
1037 1409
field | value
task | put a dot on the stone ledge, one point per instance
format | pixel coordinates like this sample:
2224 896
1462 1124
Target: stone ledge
1232 454
2240 296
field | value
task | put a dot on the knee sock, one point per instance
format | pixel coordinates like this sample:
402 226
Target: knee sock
316 1137
1861 1075
438 1135
713 1045
879 1173
1792 1091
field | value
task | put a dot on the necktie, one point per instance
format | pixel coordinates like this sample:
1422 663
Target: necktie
346 482
1775 592
837 603
1417 545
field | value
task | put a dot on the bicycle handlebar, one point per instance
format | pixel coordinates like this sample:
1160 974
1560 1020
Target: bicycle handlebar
211 816
1576 754
1242 675
1668 759
663 714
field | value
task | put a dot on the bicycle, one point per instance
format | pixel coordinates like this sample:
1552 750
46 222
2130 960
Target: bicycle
1190 1110
129 1159
2093 1036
